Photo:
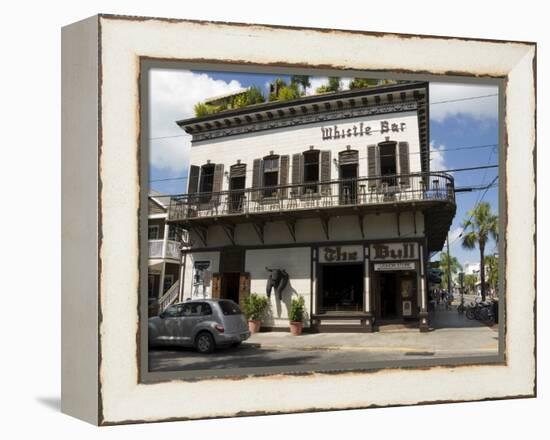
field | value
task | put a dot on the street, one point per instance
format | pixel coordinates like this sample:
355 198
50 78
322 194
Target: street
452 335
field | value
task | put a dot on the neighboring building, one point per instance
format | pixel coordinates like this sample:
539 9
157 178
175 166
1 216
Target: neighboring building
165 244
335 189
471 269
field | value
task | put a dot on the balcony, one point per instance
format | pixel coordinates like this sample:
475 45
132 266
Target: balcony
432 193
158 251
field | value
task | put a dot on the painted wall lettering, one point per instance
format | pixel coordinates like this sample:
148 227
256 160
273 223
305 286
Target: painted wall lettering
340 254
358 130
394 251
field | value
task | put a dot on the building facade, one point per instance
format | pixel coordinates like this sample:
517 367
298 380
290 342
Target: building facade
334 189
165 244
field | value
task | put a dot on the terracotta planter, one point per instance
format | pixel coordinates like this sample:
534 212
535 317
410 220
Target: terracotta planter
254 326
296 327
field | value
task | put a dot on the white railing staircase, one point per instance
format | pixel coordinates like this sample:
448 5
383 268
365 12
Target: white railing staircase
169 297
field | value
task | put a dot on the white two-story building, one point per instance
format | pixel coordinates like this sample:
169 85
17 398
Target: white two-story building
335 189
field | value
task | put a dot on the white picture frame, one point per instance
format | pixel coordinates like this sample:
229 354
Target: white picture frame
101 357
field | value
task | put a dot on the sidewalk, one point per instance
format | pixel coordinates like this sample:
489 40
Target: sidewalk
451 333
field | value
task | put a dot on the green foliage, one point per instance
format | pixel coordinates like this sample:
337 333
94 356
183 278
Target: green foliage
470 282
334 85
255 306
448 265
254 96
202 109
281 91
491 264
302 81
287 93
251 96
361 83
481 224
297 309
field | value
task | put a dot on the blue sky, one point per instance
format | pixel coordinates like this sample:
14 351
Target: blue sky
462 122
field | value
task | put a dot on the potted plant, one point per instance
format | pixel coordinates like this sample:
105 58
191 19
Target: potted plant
254 308
296 315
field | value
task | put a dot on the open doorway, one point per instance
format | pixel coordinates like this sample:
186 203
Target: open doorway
348 187
341 288
388 296
230 286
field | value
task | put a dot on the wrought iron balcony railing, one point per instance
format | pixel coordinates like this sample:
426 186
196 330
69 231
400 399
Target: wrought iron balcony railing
362 191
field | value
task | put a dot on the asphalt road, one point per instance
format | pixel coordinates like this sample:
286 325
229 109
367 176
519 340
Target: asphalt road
251 355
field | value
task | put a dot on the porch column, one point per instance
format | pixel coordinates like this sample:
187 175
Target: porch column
182 275
165 239
368 300
423 322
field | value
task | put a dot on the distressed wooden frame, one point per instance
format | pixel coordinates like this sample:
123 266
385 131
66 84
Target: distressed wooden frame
101 380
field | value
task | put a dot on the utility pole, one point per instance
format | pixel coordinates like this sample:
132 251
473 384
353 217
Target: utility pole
448 267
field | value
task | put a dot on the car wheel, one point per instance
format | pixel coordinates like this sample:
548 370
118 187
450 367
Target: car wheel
204 343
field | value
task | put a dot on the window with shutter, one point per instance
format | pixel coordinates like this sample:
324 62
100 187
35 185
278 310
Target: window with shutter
193 185
217 182
325 171
388 162
206 184
311 171
404 167
270 175
256 179
297 160
348 164
283 180
237 185
372 165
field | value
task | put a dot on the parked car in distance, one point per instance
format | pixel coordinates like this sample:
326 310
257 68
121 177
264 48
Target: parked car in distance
203 324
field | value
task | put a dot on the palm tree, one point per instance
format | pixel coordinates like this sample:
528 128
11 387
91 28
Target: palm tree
491 261
481 224
449 266
302 80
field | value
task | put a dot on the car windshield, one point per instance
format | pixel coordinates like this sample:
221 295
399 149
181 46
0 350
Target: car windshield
229 308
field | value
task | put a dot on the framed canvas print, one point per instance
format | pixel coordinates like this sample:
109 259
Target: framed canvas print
262 219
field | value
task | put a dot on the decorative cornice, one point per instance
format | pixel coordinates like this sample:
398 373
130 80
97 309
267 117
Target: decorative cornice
305 119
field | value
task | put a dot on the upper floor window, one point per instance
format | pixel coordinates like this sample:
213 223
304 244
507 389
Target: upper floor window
153 232
270 175
311 170
388 162
207 178
172 232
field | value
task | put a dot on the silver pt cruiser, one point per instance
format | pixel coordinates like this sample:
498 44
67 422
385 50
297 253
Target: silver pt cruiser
204 324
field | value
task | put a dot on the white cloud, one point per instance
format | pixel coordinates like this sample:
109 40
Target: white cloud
481 108
173 94
437 157
318 81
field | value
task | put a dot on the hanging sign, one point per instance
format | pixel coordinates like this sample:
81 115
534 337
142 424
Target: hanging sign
381 267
